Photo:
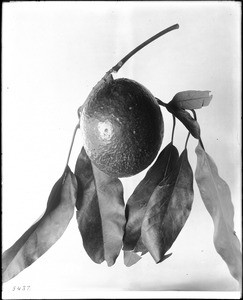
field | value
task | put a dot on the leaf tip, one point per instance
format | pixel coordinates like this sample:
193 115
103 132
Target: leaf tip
164 258
110 261
131 258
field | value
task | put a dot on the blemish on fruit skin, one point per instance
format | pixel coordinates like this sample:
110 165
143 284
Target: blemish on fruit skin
115 126
105 130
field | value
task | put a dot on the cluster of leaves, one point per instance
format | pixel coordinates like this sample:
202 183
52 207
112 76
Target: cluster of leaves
154 214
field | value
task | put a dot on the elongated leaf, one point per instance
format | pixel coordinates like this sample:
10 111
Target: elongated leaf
131 258
140 246
137 203
188 121
100 211
216 196
45 232
191 99
168 210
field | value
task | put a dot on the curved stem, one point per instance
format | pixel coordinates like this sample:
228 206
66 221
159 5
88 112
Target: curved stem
148 41
73 138
160 102
187 139
173 129
80 110
200 141
195 117
194 114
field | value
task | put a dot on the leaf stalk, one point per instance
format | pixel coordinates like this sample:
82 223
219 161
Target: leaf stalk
187 139
73 138
173 129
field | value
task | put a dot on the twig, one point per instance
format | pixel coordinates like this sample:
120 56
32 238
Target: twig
148 41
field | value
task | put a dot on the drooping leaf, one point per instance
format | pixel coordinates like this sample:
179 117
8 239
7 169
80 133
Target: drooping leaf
140 247
216 196
168 210
131 258
191 99
45 232
137 203
100 211
189 122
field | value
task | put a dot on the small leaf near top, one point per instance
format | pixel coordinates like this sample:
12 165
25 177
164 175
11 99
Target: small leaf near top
216 196
100 211
45 232
191 99
168 210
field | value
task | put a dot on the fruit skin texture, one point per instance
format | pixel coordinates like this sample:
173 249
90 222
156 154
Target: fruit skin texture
122 127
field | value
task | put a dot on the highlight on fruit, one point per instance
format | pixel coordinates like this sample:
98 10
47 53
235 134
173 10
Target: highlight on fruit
122 128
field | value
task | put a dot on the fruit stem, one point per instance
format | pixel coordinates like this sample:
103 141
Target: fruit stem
195 117
73 138
148 41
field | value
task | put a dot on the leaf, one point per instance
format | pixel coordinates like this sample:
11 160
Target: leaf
100 211
168 210
45 232
140 247
191 99
216 196
137 203
189 122
130 258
